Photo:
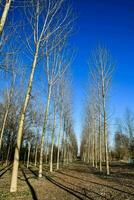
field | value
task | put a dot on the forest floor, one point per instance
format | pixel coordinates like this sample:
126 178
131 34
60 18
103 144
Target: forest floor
76 181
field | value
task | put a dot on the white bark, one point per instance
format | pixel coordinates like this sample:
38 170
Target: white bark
13 187
44 130
52 145
3 126
59 139
4 15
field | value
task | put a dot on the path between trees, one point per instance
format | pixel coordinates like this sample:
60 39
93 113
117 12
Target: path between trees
76 181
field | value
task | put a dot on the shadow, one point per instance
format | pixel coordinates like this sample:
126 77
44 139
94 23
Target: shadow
34 172
9 168
3 168
69 190
85 190
117 178
107 186
30 186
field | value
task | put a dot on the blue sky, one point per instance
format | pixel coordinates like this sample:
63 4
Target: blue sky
110 22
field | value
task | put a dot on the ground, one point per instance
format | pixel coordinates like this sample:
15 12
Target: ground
76 181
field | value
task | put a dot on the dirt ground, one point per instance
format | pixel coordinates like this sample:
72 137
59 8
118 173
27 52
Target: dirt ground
76 181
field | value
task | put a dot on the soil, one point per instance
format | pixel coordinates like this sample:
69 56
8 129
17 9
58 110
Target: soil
75 181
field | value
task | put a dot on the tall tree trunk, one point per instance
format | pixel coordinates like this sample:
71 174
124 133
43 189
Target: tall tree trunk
3 126
25 154
9 147
100 149
35 158
93 149
44 130
4 15
59 138
106 144
95 138
28 156
52 145
13 187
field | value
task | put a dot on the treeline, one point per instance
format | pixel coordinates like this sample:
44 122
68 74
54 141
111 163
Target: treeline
96 132
94 144
36 107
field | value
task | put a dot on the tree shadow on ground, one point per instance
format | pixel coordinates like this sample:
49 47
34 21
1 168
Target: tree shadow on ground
3 168
9 168
69 190
65 188
96 183
117 176
85 190
33 193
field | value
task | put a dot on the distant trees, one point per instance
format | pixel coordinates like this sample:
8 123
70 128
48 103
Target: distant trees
101 68
121 146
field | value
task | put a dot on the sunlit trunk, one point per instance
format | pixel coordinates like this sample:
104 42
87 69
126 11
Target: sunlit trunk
93 150
13 187
4 15
95 134
52 145
3 126
59 139
44 130
106 144
100 151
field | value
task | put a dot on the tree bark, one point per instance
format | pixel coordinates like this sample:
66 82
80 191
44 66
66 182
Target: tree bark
44 130
4 15
100 150
35 158
93 150
52 145
9 147
3 126
59 138
106 145
28 156
13 187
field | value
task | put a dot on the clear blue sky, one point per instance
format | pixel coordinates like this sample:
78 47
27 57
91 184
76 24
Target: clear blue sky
110 22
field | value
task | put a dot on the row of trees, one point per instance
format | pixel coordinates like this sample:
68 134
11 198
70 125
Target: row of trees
94 142
42 37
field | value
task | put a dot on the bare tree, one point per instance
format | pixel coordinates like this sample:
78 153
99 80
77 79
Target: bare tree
4 15
53 137
57 62
9 96
102 68
41 31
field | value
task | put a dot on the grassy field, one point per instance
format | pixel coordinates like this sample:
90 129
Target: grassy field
76 181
